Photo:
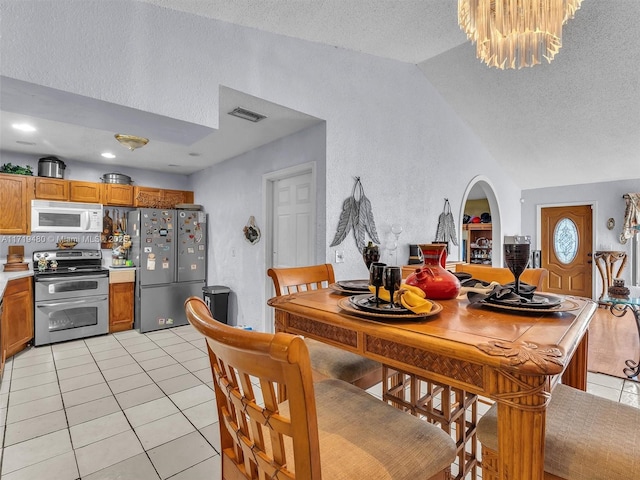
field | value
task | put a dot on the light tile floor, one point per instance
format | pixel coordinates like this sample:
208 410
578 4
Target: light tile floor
130 406
126 406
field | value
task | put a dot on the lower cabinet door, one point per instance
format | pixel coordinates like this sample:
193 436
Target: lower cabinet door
121 298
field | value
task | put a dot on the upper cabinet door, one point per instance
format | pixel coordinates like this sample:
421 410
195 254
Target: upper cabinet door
117 194
16 192
52 189
86 192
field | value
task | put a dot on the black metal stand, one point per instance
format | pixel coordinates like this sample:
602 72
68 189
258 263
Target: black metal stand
618 310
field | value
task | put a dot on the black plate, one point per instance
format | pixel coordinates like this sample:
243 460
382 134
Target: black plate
537 302
367 303
355 285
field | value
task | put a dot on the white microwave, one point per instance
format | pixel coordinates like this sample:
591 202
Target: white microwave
47 216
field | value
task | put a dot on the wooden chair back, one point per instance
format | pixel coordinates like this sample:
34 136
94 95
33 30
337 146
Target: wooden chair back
532 276
299 279
253 437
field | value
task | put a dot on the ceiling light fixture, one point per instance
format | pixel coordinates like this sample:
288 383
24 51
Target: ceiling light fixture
108 155
515 33
131 141
247 114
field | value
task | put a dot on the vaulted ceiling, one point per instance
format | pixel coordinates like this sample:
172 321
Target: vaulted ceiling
576 120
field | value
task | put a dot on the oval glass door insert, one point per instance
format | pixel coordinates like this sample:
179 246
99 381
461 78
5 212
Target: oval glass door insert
565 240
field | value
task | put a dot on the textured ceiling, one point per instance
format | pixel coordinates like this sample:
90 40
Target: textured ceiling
576 120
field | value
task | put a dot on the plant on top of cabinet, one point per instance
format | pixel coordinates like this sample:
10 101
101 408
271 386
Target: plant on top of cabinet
16 169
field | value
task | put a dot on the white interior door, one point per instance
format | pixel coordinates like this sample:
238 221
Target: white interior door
293 221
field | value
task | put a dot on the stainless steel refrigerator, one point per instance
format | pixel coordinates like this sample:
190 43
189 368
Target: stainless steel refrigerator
169 249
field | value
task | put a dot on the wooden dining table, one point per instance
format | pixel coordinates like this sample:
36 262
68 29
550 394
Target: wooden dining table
513 357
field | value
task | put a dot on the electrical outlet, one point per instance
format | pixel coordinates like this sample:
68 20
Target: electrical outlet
339 256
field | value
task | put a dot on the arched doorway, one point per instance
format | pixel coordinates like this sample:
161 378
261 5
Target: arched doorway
481 187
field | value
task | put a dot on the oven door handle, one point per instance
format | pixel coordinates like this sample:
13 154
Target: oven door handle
76 302
72 279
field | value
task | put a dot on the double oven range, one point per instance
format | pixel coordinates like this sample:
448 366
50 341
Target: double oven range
71 295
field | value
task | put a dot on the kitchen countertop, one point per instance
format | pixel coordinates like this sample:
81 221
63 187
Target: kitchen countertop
6 276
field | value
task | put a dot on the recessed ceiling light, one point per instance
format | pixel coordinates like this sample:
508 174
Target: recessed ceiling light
24 127
108 155
21 142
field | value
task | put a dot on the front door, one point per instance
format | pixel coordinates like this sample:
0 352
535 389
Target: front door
567 249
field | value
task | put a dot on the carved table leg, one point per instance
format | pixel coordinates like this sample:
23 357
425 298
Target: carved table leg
575 375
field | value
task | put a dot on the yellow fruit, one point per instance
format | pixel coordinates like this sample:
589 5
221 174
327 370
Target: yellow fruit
416 290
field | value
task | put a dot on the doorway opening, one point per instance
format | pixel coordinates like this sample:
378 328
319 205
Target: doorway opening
481 233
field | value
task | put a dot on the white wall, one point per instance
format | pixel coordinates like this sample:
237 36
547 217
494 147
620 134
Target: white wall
231 192
384 121
608 201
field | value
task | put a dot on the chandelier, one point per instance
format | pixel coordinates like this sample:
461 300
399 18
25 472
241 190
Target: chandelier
515 33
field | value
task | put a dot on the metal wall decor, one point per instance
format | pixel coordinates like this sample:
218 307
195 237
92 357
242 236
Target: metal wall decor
446 231
357 215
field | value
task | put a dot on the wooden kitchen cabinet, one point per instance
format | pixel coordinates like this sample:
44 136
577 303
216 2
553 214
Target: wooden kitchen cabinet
17 316
68 190
117 194
52 189
147 197
85 192
16 192
121 300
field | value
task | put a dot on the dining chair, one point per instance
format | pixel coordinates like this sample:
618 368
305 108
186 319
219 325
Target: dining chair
586 437
532 276
328 361
324 430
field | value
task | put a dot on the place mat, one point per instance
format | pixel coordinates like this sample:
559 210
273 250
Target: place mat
565 306
348 305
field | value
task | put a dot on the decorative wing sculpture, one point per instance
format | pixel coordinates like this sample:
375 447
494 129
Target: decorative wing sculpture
357 214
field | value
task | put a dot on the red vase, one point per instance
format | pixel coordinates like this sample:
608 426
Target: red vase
432 278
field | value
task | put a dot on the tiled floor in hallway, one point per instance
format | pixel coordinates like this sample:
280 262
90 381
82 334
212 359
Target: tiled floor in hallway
130 406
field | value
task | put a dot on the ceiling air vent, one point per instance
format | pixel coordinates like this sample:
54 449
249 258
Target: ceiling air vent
247 114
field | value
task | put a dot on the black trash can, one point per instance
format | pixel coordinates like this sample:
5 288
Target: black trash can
217 299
